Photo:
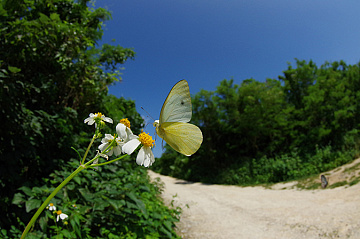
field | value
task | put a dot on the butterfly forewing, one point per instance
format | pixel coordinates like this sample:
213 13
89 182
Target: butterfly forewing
177 106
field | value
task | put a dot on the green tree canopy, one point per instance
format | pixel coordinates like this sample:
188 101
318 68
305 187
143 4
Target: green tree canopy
274 130
52 75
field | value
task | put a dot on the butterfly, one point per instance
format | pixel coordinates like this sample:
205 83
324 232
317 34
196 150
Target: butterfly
172 125
324 182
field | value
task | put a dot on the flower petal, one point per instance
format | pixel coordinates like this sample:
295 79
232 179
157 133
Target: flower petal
140 158
121 130
149 159
90 120
130 146
117 150
145 157
103 146
63 216
107 119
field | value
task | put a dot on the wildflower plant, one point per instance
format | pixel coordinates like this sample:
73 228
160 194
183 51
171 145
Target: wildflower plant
121 144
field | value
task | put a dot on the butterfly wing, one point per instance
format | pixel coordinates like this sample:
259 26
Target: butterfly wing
324 182
177 106
183 137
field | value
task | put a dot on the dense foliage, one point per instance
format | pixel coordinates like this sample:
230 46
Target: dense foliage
117 201
52 75
304 123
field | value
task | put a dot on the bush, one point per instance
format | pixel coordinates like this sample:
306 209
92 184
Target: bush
117 201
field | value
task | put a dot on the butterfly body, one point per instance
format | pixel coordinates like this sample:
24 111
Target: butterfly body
172 125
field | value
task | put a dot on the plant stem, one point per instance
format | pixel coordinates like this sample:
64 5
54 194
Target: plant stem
47 201
88 148
108 162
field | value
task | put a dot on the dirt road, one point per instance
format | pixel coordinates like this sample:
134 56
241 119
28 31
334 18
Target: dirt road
217 211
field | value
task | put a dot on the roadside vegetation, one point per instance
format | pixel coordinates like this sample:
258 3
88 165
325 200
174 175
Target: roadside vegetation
299 125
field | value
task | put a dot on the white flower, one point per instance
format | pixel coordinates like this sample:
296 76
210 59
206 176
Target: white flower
61 215
97 118
51 207
145 156
123 130
116 148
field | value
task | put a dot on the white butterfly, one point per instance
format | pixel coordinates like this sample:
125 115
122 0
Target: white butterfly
173 127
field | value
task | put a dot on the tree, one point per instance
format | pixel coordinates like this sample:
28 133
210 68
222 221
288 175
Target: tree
52 74
303 123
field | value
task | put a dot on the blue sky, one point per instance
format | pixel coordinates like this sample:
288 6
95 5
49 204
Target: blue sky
206 41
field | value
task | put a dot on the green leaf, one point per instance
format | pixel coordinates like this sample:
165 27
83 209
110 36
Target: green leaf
32 204
43 18
43 222
3 232
140 204
14 69
18 199
70 186
100 204
27 191
77 179
116 203
86 194
37 190
54 17
66 233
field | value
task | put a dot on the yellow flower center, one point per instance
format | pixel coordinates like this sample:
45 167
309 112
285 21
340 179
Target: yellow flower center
146 140
126 122
98 115
58 212
51 204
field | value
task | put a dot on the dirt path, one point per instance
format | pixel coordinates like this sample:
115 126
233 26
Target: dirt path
217 211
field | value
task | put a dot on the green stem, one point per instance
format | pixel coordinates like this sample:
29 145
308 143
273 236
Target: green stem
111 161
47 201
88 148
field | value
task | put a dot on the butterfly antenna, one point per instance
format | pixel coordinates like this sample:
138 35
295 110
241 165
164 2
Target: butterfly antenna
148 115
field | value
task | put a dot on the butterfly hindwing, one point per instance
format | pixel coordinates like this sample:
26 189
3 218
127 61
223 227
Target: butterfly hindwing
183 137
177 106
